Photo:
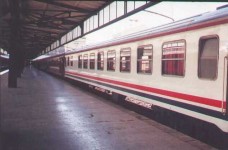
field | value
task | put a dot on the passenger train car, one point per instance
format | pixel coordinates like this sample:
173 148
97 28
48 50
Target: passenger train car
181 66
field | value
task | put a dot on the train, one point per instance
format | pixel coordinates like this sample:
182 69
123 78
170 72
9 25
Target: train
4 62
180 66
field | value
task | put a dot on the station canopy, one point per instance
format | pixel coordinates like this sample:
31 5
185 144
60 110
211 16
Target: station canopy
36 27
39 23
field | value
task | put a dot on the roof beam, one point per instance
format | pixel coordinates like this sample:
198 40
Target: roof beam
55 27
47 18
29 34
34 29
65 6
37 35
68 22
49 10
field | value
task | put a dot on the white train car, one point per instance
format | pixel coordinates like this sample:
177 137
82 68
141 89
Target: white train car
181 66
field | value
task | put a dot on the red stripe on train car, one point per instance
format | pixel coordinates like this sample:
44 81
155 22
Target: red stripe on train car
187 97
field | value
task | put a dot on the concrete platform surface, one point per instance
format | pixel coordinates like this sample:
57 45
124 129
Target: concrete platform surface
46 113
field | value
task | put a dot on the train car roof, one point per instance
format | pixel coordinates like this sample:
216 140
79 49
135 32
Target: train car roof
41 57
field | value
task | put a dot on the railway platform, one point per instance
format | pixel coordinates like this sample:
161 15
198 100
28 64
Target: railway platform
47 113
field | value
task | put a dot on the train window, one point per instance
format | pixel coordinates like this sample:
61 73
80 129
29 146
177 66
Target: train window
71 61
111 61
173 58
68 61
80 61
85 61
64 61
144 62
125 60
208 57
100 60
92 61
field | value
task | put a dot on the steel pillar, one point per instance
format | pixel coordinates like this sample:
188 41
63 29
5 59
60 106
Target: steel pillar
12 76
15 44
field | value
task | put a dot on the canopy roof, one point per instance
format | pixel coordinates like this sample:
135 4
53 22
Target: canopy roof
41 22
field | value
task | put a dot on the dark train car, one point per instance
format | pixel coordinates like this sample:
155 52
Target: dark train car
52 64
4 62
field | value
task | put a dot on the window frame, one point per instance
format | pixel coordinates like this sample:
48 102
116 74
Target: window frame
184 58
114 62
150 60
199 48
124 49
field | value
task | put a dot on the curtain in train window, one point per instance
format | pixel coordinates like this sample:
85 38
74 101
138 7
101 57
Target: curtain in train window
100 61
80 61
125 60
173 58
92 61
208 57
111 61
144 62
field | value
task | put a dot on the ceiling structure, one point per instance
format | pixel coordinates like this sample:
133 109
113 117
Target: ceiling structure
42 22
38 26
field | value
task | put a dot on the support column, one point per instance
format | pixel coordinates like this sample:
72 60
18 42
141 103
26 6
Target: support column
12 76
16 65
82 28
20 61
15 44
